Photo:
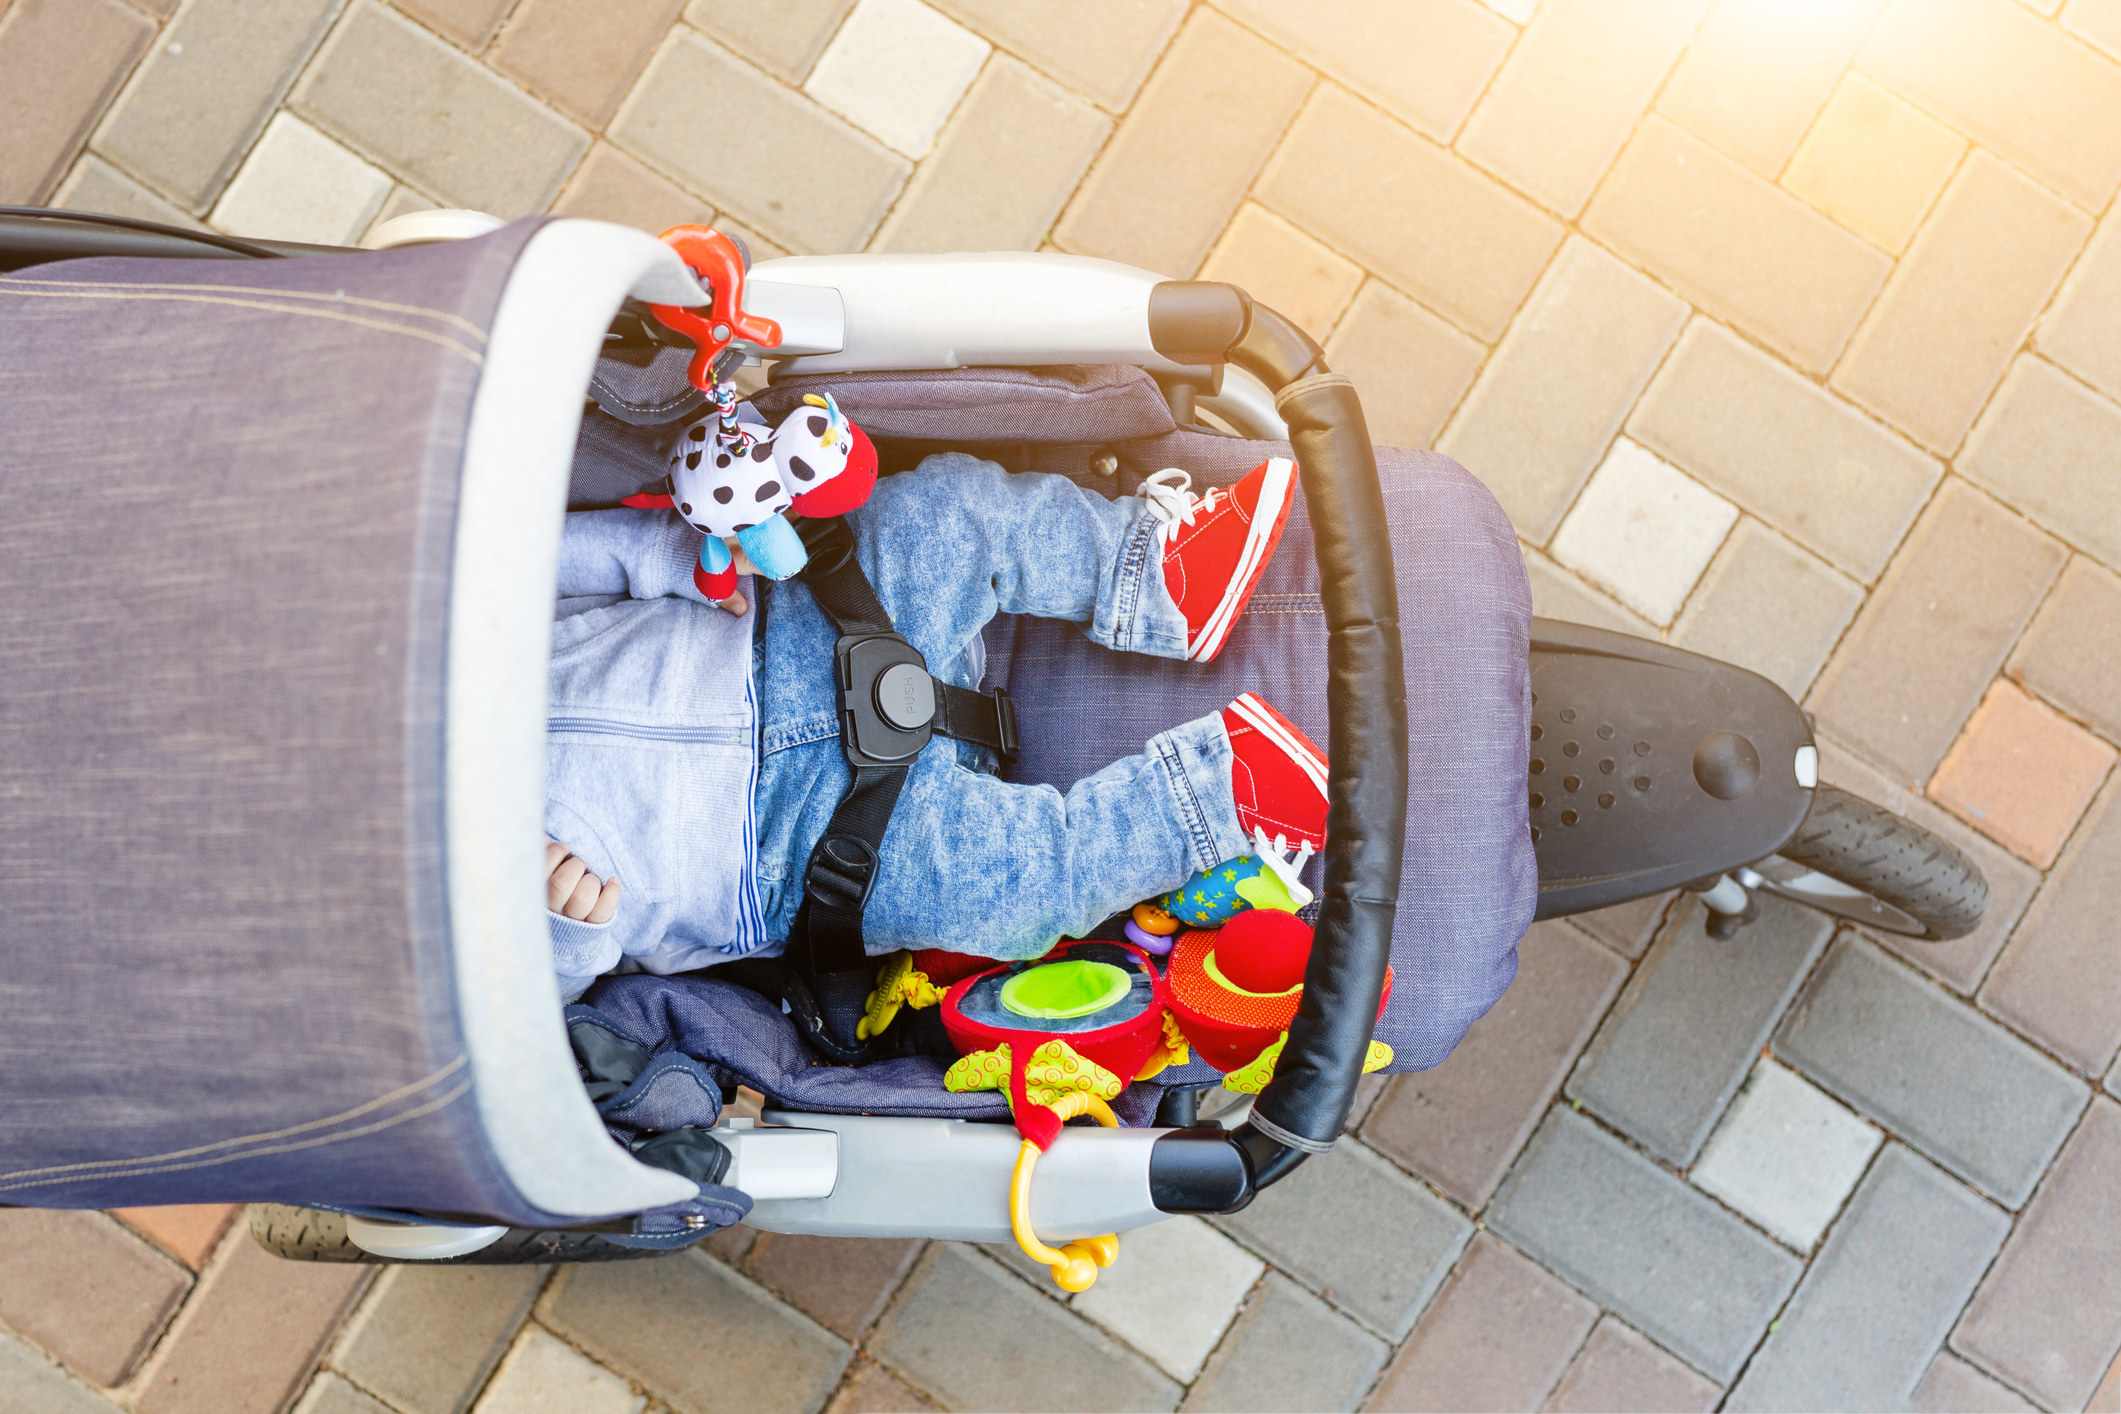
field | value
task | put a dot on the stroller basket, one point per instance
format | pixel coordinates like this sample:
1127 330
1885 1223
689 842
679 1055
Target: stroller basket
281 538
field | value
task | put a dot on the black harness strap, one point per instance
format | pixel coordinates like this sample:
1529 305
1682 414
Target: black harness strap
890 706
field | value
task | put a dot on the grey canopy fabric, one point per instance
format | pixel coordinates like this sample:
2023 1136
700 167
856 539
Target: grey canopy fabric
229 963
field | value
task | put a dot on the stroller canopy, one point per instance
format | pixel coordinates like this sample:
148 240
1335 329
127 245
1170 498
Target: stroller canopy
278 539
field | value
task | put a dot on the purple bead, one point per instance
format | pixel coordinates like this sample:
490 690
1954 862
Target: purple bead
1148 942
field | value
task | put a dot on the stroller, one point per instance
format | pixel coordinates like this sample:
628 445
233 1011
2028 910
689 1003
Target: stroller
274 751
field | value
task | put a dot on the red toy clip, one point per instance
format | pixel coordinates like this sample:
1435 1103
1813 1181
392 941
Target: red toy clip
714 326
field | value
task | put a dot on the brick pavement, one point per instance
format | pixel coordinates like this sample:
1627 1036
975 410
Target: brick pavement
1787 333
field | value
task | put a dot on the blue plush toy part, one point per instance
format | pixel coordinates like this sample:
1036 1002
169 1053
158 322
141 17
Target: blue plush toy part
774 548
1213 897
715 556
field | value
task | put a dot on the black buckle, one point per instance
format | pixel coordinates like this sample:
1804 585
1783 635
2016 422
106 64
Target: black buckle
863 662
842 872
1005 725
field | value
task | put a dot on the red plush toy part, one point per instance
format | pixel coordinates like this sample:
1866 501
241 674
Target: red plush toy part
1264 950
847 490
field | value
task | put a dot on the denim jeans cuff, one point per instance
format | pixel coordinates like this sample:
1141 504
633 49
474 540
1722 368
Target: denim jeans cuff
1139 615
1196 758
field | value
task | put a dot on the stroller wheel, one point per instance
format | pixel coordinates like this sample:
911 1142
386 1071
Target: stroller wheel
314 1235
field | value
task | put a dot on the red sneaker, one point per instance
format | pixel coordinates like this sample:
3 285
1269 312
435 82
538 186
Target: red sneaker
1278 776
1217 545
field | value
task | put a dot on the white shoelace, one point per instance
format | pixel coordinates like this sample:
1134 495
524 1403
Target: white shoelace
1172 502
1286 864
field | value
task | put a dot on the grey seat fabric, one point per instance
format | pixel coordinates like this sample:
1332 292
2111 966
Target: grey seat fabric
1470 880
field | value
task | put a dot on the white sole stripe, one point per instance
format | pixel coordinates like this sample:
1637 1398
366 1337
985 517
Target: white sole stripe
1255 712
1273 496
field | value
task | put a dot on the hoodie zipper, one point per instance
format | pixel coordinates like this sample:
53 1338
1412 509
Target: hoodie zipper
599 726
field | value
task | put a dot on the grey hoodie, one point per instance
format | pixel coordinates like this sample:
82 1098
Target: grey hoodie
652 756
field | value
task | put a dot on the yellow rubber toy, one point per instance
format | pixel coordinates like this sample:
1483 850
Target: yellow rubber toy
1075 1265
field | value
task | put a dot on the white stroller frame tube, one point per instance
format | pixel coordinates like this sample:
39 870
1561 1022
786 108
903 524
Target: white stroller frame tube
850 313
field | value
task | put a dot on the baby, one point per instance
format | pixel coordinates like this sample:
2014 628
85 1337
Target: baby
694 754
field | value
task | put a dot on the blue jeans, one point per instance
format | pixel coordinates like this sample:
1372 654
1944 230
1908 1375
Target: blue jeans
972 863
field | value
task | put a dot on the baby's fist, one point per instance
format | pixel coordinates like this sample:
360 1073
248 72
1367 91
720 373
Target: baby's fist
572 891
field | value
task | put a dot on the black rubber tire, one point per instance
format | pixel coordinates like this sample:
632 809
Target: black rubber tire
1897 861
312 1235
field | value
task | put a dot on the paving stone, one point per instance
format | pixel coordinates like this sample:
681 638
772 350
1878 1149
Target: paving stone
1572 364
1925 647
1684 1033
692 1331
2056 982
2082 331
968 1333
581 54
203 93
1644 530
896 69
1752 80
1874 163
60 62
757 150
424 111
84 1288
2021 773
1571 92
41 1387
1288 1350
1014 121
1931 1070
95 185
610 186
402 201
1497 1336
187 1231
1786 1155
2096 22
542 1376
250 1335
1620 1369
1801 459
1168 183
1460 1124
1441 230
1738 247
1627 928
470 23
328 1394
2065 656
1961 302
427 1335
872 1389
1286 270
1411 366
1641 1243
1559 594
731 1244
2048 1317
1768 605
2045 447
1409 1238
1877 1304
299 185
1954 1387
784 38
1172 1291
1423 64
2013 84
1101 48
842 1282
2108 1398
1962 963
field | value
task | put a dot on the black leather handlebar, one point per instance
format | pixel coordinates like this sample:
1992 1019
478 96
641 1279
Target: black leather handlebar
1302 1109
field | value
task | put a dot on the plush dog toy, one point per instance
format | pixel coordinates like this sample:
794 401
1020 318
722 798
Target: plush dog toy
740 483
